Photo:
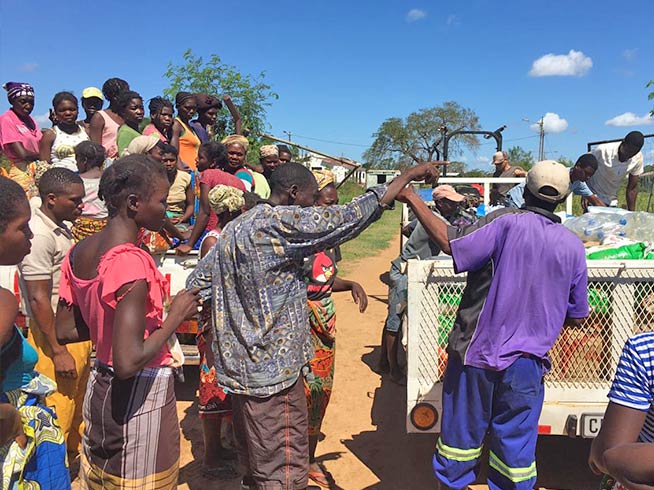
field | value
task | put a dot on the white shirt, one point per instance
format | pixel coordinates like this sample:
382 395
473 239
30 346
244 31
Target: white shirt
611 171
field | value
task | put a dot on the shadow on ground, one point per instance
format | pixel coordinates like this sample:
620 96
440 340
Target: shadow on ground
190 473
403 461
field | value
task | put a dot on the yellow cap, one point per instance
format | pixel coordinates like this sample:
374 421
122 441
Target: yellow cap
89 92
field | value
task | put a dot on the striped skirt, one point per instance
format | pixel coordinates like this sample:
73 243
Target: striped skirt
131 434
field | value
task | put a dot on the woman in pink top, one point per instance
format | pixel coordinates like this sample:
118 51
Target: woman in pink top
20 135
105 123
162 115
115 297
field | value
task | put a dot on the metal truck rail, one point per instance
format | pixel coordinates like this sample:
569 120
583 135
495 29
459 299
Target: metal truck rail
584 359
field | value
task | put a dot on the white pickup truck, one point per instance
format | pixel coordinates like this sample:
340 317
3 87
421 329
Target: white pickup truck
584 359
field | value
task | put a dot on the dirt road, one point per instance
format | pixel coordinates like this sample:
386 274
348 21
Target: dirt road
366 445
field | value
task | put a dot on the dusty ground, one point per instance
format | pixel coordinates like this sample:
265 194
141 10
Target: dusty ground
366 445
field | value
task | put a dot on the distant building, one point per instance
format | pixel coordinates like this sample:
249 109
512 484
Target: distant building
379 176
340 168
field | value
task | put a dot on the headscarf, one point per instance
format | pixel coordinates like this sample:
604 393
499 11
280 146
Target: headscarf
236 139
206 102
226 198
324 178
141 145
181 97
268 150
18 89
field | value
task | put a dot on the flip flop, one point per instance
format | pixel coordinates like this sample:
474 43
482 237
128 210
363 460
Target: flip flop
320 479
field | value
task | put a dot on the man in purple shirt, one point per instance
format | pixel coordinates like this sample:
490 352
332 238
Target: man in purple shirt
527 277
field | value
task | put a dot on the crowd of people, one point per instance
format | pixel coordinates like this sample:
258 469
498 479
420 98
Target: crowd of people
85 203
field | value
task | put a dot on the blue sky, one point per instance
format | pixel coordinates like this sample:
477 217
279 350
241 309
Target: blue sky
341 68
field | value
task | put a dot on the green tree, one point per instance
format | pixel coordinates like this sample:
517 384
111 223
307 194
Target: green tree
250 93
405 142
520 157
651 94
566 161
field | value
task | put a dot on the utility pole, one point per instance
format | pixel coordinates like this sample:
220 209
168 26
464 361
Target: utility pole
289 134
541 143
541 139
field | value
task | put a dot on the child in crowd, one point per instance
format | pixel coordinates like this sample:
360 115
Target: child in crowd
212 158
90 157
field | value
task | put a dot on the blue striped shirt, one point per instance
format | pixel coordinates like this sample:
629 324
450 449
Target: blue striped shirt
633 385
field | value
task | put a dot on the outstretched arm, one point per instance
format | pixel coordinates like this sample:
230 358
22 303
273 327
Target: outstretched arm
236 116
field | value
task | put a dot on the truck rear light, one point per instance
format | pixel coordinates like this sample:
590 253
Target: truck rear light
544 429
424 416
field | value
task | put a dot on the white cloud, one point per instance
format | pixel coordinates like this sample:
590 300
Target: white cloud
630 119
42 120
483 159
415 14
452 20
28 67
552 123
573 64
630 54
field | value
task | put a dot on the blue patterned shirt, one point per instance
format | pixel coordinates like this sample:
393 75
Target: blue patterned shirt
254 278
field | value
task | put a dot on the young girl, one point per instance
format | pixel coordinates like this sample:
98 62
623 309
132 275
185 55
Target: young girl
214 404
57 146
32 449
181 196
90 158
105 123
112 292
130 108
161 117
212 157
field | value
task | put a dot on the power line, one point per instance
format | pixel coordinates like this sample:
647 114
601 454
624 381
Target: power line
330 141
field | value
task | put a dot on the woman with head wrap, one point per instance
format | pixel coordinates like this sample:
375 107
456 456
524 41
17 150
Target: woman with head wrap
320 272
20 135
145 145
237 149
161 119
184 137
214 404
208 107
105 123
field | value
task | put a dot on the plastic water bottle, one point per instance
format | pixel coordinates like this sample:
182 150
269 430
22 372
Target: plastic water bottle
640 227
598 226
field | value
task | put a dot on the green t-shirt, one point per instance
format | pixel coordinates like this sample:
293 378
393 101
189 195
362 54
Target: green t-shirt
125 136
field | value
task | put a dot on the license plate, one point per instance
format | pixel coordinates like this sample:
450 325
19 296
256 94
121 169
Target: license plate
591 424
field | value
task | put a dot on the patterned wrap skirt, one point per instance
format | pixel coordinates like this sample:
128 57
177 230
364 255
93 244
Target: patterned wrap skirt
320 378
213 401
42 464
85 227
131 433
